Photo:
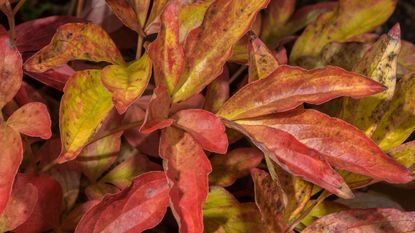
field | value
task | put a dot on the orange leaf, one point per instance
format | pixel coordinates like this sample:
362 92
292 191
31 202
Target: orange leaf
288 87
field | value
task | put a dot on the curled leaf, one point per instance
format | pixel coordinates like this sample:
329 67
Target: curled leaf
75 41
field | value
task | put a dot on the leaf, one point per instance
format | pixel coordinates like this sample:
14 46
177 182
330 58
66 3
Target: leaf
189 186
208 47
55 78
288 87
294 157
341 144
234 165
275 31
321 210
135 209
75 41
157 111
84 105
152 24
166 52
270 205
217 92
380 64
125 11
406 57
206 128
404 154
365 220
351 18
123 174
261 60
46 213
73 217
32 119
35 34
11 73
19 207
344 55
398 122
127 83
10 160
191 16
223 213
276 16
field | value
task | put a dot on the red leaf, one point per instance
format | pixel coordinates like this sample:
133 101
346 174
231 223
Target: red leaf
295 157
157 111
45 216
11 72
36 34
187 169
20 206
55 78
365 221
32 119
135 209
206 128
10 160
288 87
343 145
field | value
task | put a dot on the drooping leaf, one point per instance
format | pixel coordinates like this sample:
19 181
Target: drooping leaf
32 119
206 128
189 186
20 206
157 111
126 12
45 215
288 87
294 157
351 18
33 35
235 164
269 203
217 92
11 72
84 106
208 47
135 209
261 60
341 144
10 160
166 52
75 41
398 122
223 213
365 220
55 78
127 83
380 64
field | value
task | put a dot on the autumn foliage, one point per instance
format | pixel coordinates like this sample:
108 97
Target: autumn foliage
233 116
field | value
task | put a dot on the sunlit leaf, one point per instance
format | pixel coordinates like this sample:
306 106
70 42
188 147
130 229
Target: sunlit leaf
189 186
127 83
261 60
288 87
208 47
191 16
84 106
32 119
75 41
135 209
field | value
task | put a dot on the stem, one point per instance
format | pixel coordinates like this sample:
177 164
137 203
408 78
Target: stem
140 41
18 6
116 130
237 73
79 8
8 11
48 166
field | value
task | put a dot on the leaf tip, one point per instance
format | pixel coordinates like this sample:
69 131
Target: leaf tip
395 32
